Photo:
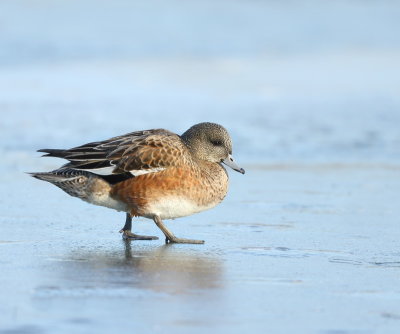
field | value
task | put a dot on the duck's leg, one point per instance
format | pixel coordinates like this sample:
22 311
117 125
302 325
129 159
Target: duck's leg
170 237
127 234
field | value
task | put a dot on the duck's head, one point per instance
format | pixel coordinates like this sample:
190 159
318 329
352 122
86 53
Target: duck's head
211 142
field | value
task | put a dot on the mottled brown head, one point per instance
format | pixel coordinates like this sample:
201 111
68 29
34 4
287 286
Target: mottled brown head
210 142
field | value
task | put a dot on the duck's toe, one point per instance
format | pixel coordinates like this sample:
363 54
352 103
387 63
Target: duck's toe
128 235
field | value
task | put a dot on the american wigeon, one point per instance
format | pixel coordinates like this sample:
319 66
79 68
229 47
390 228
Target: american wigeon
155 174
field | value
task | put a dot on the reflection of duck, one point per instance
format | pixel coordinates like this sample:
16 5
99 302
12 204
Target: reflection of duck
163 269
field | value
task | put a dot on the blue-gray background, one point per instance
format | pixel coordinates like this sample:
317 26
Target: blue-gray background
292 80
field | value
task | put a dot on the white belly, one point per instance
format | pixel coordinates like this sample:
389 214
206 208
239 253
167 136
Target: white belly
175 207
104 199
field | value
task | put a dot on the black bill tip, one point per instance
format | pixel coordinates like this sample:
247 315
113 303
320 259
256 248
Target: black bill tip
241 170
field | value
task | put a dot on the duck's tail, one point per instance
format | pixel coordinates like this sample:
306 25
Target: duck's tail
74 182
87 186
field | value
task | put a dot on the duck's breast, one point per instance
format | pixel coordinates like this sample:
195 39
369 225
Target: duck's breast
174 192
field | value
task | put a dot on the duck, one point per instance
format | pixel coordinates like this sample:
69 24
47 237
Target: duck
155 174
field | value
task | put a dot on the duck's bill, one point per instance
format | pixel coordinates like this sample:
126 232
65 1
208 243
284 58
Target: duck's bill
231 163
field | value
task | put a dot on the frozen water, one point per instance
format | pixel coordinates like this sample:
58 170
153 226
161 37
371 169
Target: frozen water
308 250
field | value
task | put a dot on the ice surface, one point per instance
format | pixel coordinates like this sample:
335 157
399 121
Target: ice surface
305 242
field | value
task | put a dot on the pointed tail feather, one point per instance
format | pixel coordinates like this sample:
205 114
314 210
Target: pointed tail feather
49 177
53 152
74 182
61 175
85 185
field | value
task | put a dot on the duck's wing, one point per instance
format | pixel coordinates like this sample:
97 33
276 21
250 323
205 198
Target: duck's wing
137 152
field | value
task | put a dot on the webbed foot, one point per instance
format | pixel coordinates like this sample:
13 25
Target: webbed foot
132 236
170 237
128 235
182 241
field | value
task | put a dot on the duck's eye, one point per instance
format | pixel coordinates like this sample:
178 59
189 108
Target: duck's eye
216 142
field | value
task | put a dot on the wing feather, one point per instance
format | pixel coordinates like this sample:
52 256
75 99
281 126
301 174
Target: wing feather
142 151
